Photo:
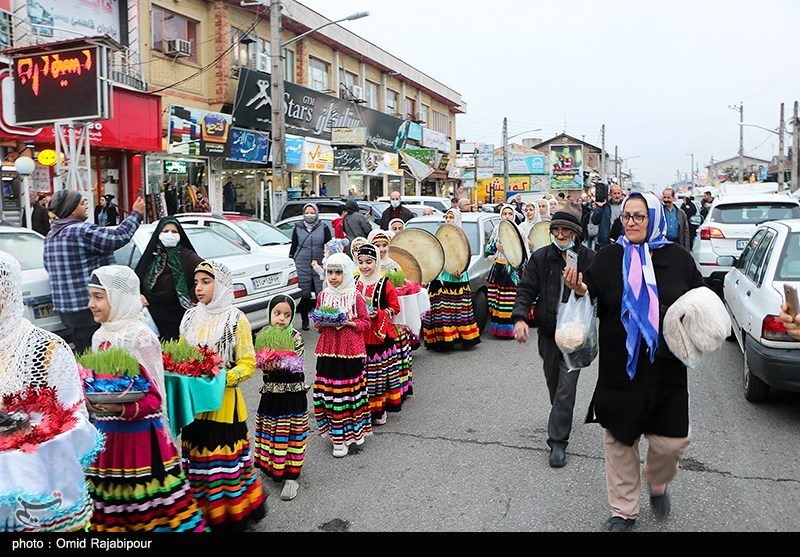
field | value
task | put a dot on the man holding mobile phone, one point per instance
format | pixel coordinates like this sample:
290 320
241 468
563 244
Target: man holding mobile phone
790 312
542 282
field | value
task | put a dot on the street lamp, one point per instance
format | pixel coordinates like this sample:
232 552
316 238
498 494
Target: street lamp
276 46
25 167
506 137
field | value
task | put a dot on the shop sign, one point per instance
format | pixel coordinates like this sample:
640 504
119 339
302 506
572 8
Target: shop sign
566 167
497 185
309 113
193 131
41 178
249 146
61 85
356 137
485 156
522 164
47 157
415 131
294 149
435 140
347 159
56 20
484 173
317 157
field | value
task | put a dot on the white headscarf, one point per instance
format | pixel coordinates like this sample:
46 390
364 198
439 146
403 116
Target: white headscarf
376 274
527 224
386 263
457 214
342 297
214 324
496 231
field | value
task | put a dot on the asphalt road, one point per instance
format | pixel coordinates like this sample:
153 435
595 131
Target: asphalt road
468 454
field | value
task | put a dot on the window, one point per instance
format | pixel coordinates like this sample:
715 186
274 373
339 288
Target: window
253 55
391 102
424 113
6 29
347 81
411 108
756 263
288 65
169 25
372 97
747 254
318 74
789 263
440 123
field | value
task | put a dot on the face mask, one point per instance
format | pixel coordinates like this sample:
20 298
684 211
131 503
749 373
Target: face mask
395 203
309 218
169 239
565 248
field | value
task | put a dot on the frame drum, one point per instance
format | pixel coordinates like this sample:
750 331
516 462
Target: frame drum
513 246
425 248
457 252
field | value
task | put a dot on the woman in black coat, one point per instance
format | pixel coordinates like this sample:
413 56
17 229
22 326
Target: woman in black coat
355 224
166 275
105 213
642 388
308 245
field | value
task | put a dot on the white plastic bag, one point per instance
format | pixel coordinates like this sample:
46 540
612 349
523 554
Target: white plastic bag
150 323
576 331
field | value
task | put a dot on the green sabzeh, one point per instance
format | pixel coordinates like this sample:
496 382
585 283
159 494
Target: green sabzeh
274 338
114 361
397 277
181 351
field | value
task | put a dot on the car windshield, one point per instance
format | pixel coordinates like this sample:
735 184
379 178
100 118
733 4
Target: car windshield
264 234
27 248
210 244
754 213
470 228
789 263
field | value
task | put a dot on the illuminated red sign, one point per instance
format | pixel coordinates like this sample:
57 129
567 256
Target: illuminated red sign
53 86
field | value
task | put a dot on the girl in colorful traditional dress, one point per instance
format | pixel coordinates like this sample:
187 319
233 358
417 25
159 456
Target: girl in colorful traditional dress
137 482
544 210
282 419
380 366
532 217
396 225
215 445
341 405
381 239
451 320
502 281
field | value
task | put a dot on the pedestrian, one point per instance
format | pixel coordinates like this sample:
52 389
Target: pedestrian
137 482
281 431
450 322
341 403
642 388
202 205
105 214
503 279
532 217
677 222
40 217
542 285
72 250
381 364
171 198
33 358
215 446
229 196
338 223
381 239
605 214
464 205
396 210
690 209
308 245
166 274
544 210
396 225
323 190
791 322
355 224
705 204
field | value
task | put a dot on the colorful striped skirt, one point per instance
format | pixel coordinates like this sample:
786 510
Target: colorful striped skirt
500 295
137 482
282 428
341 403
222 474
450 321
405 367
381 374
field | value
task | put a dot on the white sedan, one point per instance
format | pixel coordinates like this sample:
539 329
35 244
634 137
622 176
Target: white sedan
253 234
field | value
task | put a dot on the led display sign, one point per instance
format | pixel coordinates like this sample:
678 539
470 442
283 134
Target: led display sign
62 85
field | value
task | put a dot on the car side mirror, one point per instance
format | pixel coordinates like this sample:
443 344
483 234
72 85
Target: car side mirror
696 220
726 261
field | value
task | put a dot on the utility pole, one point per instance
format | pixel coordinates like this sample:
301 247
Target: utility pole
505 156
603 154
711 173
278 127
617 165
795 147
780 152
740 108
677 178
691 172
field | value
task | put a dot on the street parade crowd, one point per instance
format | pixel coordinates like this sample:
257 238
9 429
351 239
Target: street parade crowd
142 424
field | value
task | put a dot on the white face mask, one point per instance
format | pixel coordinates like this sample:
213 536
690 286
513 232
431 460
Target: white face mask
395 203
169 239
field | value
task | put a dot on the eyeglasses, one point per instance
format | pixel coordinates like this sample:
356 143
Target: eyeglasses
637 218
558 231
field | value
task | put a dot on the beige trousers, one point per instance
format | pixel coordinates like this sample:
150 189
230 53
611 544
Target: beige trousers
623 480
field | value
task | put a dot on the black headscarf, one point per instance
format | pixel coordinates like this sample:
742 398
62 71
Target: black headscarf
277 299
156 257
351 206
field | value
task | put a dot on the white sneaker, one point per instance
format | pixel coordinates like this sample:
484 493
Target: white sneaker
289 491
339 451
381 420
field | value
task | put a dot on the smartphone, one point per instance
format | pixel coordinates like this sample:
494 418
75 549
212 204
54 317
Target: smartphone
790 296
572 259
601 192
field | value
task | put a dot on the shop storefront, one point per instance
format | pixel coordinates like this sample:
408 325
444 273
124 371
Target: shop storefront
175 185
371 174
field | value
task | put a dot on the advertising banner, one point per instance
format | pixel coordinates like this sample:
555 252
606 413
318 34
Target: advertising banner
515 184
249 146
435 140
347 137
294 149
193 131
317 156
485 156
313 114
522 164
347 159
566 167
58 20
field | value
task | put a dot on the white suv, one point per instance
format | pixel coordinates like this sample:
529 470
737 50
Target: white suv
729 225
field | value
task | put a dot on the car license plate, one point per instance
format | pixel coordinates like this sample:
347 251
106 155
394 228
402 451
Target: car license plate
43 310
269 280
740 244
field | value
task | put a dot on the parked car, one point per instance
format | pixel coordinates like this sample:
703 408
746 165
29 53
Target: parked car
753 292
256 277
729 225
380 206
253 234
287 225
294 207
479 228
27 247
440 203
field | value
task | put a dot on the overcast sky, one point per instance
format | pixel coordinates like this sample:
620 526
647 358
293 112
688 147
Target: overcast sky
659 75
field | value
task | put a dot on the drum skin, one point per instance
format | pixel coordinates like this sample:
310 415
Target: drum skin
407 262
539 235
425 248
457 252
511 240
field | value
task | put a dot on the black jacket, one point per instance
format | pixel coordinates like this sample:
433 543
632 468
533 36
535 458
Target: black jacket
542 283
403 213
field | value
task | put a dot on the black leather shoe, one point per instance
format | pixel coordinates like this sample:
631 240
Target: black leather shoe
558 457
618 524
305 326
661 505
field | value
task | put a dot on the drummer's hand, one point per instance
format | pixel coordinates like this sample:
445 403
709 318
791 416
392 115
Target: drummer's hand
145 303
521 331
499 246
574 281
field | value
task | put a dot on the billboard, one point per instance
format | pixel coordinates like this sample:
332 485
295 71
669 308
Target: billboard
249 146
58 20
566 167
193 131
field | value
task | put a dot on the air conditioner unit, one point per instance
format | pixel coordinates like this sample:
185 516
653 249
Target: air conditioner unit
177 47
358 93
260 61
